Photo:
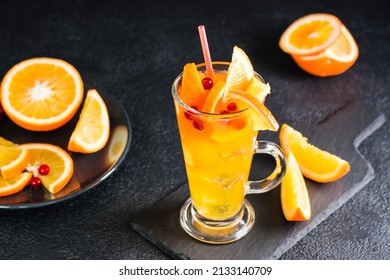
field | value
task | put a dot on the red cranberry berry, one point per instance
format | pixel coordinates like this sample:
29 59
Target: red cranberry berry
35 182
232 107
207 83
190 116
224 112
44 169
198 124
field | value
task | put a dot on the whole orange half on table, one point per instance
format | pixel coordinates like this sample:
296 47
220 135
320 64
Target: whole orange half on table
320 44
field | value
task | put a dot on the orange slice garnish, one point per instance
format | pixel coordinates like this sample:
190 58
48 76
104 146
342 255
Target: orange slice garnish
58 160
336 59
240 71
293 193
258 89
262 117
15 184
93 128
310 34
314 163
214 98
192 92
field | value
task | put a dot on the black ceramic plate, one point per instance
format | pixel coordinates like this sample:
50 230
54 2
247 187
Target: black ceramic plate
89 169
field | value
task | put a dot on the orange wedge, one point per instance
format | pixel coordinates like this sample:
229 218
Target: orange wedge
336 59
240 71
14 184
13 159
5 142
58 160
310 34
214 97
93 128
258 89
293 193
314 163
192 92
41 94
262 117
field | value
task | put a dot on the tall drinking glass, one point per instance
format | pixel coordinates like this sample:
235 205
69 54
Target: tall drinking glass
218 151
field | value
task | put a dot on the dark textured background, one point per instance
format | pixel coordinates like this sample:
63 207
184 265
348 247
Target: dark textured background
134 51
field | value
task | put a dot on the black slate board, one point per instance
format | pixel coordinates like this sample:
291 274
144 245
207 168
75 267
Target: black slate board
272 235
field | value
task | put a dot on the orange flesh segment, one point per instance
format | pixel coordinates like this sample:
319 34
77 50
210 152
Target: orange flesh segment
293 193
315 164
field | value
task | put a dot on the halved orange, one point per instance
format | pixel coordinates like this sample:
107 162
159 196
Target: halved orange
262 117
240 71
14 184
293 193
334 60
58 160
310 34
314 163
41 94
192 92
93 128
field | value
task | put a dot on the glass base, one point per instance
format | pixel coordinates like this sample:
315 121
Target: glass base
217 232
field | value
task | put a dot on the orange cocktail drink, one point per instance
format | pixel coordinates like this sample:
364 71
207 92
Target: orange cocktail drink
218 151
219 114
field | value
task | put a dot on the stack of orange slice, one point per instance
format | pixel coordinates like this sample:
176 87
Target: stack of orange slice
320 44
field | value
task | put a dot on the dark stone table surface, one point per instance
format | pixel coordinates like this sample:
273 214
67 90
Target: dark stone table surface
133 50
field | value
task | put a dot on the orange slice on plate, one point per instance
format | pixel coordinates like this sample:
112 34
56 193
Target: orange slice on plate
93 128
336 59
59 162
14 184
262 117
41 94
13 159
293 193
310 34
314 163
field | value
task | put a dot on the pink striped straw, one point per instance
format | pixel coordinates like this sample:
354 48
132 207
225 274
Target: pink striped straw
206 51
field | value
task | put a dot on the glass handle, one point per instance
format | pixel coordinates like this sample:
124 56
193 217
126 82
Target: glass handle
273 180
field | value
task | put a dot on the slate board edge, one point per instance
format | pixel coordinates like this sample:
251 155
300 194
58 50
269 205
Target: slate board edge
289 243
